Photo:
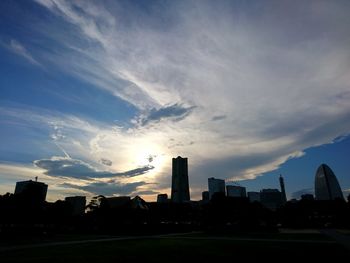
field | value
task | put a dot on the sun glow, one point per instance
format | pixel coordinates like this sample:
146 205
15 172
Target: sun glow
148 155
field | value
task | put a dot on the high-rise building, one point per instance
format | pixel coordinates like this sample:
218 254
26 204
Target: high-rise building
326 184
180 190
254 196
283 190
216 186
205 196
162 198
271 198
77 204
236 191
32 190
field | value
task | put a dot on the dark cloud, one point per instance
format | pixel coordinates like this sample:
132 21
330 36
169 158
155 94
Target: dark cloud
106 162
219 117
67 167
175 112
137 171
151 158
298 194
106 188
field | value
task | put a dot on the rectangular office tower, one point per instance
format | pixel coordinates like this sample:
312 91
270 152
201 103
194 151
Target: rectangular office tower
271 198
180 191
216 186
254 196
236 191
32 190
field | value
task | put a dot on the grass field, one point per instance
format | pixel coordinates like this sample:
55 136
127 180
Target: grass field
194 248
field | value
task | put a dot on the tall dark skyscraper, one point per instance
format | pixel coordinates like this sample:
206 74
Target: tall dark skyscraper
180 191
326 184
283 190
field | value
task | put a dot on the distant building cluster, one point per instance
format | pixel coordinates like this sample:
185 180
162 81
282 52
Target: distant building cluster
224 206
180 192
326 188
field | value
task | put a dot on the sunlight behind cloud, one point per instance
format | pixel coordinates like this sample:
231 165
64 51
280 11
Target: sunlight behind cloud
238 90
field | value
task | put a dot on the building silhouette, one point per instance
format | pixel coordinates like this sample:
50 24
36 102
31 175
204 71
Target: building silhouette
216 186
77 204
283 190
205 196
117 201
254 197
32 190
236 191
271 198
326 184
308 197
180 191
162 198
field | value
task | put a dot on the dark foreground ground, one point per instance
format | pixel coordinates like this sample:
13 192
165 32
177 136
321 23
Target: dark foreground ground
194 247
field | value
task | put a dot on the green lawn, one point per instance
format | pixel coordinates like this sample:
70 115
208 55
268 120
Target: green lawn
167 250
279 236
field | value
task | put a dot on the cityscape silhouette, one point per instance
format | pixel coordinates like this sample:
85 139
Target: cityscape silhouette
174 131
223 212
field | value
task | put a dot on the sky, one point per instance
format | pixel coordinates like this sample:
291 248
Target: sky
96 97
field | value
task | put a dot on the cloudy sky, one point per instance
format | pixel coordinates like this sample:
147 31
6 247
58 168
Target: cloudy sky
96 97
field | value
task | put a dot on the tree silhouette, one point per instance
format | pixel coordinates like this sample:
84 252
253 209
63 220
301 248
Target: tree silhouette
96 203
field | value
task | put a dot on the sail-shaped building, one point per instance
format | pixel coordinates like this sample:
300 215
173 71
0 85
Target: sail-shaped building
326 184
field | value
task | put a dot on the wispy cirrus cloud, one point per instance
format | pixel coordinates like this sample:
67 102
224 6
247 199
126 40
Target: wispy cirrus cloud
267 81
19 49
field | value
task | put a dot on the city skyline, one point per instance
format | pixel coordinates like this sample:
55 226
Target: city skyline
326 187
97 98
